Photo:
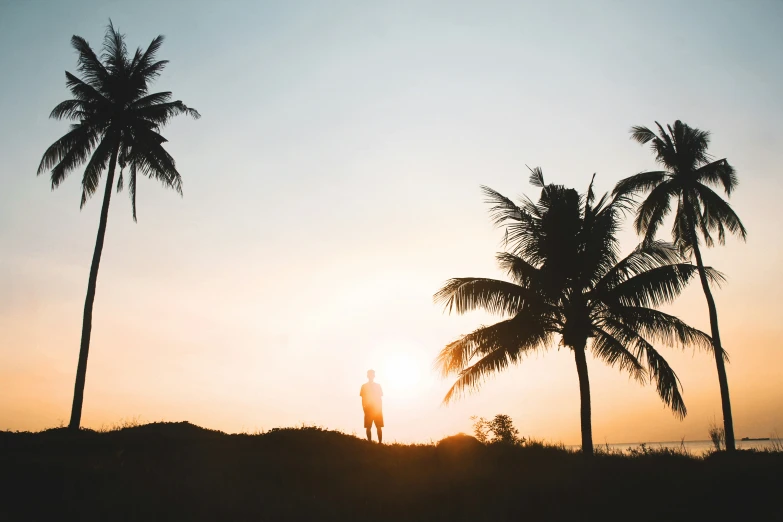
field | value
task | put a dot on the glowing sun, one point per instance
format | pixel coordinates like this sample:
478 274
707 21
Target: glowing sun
400 374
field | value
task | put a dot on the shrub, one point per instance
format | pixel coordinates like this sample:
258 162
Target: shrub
499 430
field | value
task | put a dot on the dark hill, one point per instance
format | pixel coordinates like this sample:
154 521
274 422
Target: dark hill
178 471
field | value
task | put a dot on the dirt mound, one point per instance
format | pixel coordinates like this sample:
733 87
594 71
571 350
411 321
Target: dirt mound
460 443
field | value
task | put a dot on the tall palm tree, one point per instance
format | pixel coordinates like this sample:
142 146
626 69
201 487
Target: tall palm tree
568 281
688 175
117 121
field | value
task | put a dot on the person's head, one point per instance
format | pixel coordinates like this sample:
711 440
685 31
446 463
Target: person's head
371 375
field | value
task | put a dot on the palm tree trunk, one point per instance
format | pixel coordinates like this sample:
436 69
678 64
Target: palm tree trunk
584 395
81 369
728 423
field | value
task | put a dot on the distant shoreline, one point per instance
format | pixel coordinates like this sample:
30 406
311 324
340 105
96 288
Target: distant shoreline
707 441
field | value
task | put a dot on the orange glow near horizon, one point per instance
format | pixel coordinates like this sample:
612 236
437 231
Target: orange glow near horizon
332 186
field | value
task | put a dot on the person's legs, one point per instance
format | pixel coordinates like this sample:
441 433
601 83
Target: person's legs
380 434
368 424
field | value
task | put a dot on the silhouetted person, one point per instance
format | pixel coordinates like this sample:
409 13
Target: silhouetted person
371 403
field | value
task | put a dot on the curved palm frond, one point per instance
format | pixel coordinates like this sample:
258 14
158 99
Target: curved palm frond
86 93
718 214
68 152
151 100
503 209
161 113
642 182
522 272
600 248
495 346
642 134
653 211
645 256
466 294
89 65
718 173
96 165
610 350
666 381
658 326
655 286
70 110
667 384
115 51
537 177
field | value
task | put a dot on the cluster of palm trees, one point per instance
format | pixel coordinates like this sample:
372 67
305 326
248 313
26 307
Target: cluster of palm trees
567 278
568 282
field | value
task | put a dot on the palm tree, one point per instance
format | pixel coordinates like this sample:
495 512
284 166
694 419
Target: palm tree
568 281
117 121
689 172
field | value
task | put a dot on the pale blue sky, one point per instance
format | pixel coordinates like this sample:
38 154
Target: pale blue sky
332 184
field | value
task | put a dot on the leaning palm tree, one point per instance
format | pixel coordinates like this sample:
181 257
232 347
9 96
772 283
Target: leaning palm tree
688 175
568 282
117 122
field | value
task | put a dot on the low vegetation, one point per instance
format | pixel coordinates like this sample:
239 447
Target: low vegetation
178 471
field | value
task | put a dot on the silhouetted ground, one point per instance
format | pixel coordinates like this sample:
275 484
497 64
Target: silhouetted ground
177 471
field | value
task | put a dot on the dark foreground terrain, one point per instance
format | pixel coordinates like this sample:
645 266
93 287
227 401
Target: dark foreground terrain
177 471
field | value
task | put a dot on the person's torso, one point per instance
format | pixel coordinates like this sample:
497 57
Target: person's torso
371 395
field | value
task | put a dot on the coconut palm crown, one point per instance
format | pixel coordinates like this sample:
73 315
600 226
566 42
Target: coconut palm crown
568 282
116 121
690 174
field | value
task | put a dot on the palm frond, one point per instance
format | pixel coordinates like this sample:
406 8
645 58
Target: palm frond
639 183
146 66
656 326
717 211
643 135
89 65
654 287
610 350
161 113
718 173
70 109
151 100
653 210
68 152
537 177
663 147
503 209
522 272
86 93
115 52
98 162
495 347
590 195
645 256
466 294
666 381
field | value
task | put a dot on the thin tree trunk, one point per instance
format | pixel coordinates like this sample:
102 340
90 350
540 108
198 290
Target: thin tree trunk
81 369
584 395
728 422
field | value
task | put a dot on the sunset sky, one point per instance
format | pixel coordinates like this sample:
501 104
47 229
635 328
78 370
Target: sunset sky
332 185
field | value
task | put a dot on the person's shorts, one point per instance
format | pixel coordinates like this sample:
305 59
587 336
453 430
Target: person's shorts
371 416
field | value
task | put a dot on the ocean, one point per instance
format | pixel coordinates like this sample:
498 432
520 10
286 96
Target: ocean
694 447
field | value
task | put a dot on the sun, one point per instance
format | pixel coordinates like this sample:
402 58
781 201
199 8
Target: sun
401 374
